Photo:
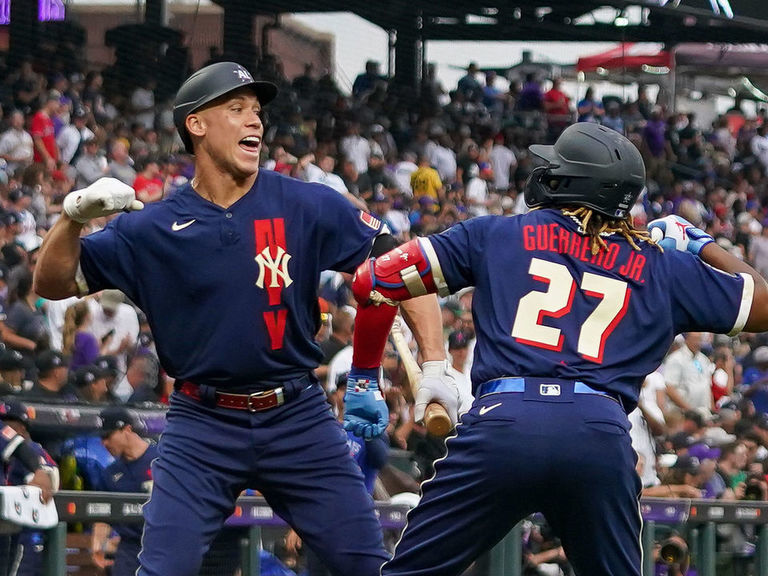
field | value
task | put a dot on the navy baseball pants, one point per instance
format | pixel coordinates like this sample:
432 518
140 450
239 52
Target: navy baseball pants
296 455
514 454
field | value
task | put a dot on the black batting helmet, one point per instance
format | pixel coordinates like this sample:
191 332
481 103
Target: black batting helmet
589 165
209 83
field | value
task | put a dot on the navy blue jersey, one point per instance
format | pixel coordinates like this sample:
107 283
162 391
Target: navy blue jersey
131 476
246 277
17 472
544 306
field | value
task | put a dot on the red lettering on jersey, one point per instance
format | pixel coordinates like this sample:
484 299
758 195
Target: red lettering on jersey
275 322
553 236
610 258
562 245
584 257
272 257
529 243
575 245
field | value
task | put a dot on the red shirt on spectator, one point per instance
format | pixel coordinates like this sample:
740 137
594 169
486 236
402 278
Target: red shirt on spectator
148 189
42 126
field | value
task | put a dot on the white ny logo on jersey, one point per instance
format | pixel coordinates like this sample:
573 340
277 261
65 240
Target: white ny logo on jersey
278 267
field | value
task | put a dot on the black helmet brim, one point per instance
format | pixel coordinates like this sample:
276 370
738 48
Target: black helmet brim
544 152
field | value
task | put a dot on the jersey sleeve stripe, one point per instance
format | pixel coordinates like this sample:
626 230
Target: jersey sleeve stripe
746 304
437 271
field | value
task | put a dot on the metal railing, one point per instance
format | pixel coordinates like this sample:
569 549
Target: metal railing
699 518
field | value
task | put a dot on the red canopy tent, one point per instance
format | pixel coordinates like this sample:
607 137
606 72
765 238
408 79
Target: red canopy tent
627 56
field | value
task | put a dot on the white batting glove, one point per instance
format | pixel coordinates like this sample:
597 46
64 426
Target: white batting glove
676 233
437 385
104 197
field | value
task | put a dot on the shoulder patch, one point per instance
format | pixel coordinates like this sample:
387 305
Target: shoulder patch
370 220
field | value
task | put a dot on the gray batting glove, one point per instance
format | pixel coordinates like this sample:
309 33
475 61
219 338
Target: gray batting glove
437 385
104 197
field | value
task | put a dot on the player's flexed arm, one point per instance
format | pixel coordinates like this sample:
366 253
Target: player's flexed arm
376 311
675 233
57 266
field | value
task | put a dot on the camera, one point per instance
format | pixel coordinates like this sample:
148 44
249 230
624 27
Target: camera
755 488
674 558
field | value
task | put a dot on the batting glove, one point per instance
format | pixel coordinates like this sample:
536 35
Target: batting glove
675 233
365 411
104 197
437 385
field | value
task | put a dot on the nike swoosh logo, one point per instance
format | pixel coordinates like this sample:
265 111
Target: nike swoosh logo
176 226
485 409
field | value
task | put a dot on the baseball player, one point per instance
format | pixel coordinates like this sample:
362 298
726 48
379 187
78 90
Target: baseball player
31 468
573 307
27 545
130 472
227 272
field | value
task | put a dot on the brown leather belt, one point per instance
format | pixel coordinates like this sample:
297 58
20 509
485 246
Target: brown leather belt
255 402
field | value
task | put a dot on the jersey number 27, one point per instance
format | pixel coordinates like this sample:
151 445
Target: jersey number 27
556 302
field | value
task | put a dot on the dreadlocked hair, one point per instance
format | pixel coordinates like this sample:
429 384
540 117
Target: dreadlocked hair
595 225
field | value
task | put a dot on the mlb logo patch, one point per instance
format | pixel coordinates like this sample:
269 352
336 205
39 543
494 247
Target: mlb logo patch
370 220
549 389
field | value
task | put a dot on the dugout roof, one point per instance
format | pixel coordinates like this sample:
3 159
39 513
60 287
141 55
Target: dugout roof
667 21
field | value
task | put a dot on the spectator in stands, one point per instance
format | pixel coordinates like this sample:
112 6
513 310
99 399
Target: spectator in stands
142 376
723 377
403 171
355 148
358 183
108 366
111 313
379 174
72 136
557 106
130 472
531 97
468 84
16 145
143 103
342 328
688 373
91 385
612 118
425 182
755 380
52 379
590 109
121 165
93 97
382 140
503 163
12 370
24 318
366 82
148 184
42 131
91 165
79 343
323 173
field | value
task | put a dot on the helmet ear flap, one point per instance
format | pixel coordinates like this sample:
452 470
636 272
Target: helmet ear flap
537 193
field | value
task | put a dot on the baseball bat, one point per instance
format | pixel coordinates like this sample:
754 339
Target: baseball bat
436 419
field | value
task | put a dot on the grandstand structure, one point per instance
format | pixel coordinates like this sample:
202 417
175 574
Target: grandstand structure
411 23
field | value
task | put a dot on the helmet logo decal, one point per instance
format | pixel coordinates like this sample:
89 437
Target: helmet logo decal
243 74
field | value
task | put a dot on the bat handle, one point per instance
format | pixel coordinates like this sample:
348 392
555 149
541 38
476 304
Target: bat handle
436 420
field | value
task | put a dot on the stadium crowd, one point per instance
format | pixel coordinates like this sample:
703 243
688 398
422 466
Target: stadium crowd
421 165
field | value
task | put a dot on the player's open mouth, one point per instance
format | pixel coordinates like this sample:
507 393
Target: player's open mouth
250 143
